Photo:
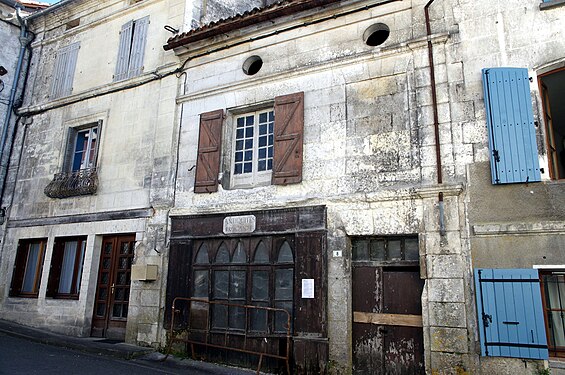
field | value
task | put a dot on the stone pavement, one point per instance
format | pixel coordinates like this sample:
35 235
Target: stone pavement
96 345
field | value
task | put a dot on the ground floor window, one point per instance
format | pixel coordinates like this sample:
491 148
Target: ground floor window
553 296
27 268
66 267
245 271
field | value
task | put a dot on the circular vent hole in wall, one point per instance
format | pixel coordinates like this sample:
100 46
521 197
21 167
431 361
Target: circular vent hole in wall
252 65
376 34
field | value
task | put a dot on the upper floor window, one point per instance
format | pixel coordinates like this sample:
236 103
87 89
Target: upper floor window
133 37
266 146
82 147
66 268
253 148
78 176
27 268
64 71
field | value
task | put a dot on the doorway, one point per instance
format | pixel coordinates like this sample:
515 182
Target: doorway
552 87
113 287
387 307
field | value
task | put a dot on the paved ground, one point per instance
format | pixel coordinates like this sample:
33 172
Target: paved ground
25 350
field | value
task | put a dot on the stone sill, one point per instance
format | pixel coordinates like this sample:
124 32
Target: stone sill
551 4
544 227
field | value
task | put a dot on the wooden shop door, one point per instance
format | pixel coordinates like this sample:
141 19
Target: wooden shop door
387 320
113 287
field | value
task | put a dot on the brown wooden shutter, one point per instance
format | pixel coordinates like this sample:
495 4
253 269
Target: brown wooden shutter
289 130
19 269
55 269
209 150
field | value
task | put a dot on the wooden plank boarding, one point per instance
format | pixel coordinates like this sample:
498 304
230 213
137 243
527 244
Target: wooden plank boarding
405 320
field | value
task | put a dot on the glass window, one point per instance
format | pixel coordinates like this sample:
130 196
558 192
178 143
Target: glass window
385 249
28 268
66 267
253 148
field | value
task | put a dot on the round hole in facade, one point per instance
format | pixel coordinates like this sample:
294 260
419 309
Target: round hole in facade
252 65
376 34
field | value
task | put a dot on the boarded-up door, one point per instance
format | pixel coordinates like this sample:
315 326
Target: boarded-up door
387 320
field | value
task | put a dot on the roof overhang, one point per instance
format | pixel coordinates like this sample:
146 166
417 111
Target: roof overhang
248 18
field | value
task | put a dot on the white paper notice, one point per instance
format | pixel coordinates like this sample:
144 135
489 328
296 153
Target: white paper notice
307 288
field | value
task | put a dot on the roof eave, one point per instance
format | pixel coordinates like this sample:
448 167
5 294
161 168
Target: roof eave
240 21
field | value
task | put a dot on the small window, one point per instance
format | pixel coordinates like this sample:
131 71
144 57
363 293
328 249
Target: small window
72 24
133 38
385 249
253 148
376 34
66 268
27 268
252 65
82 148
64 71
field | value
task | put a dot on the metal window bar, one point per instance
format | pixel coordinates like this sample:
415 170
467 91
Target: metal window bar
173 334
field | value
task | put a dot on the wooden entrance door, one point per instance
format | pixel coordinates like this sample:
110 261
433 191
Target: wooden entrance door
387 320
113 287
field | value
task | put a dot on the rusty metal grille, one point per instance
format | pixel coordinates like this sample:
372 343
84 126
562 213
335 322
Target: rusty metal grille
70 184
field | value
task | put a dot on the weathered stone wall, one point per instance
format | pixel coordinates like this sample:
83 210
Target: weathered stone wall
135 158
369 153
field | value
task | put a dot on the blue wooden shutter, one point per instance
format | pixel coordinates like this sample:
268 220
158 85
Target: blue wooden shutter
124 51
138 47
509 306
510 123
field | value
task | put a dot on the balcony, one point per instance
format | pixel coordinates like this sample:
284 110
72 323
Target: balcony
71 184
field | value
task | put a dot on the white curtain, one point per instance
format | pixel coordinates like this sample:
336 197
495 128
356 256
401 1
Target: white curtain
69 256
31 268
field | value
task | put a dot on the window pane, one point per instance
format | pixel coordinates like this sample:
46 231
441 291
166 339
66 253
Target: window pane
202 256
360 250
247 168
221 279
281 319
285 254
261 166
258 318
219 316
29 284
394 250
557 328
411 249
283 284
237 317
377 250
201 284
260 288
223 255
68 266
239 255
237 285
261 254
263 117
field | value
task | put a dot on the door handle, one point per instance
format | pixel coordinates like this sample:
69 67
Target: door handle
112 288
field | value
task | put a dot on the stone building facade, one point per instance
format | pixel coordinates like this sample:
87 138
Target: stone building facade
340 160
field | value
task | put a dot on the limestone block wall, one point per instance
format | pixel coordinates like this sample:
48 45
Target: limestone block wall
369 153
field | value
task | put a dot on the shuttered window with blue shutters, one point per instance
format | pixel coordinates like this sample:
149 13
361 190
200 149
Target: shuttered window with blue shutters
510 313
133 38
510 122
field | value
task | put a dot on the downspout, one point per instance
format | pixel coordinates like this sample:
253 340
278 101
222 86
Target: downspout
442 230
24 41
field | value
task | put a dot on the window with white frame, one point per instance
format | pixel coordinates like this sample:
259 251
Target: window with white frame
253 148
133 38
82 148
64 71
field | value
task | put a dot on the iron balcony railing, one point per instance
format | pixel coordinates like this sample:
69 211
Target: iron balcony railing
71 184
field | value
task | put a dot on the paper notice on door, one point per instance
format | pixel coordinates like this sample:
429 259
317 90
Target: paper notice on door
307 288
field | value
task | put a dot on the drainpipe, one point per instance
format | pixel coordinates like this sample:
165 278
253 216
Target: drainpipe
436 117
24 41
